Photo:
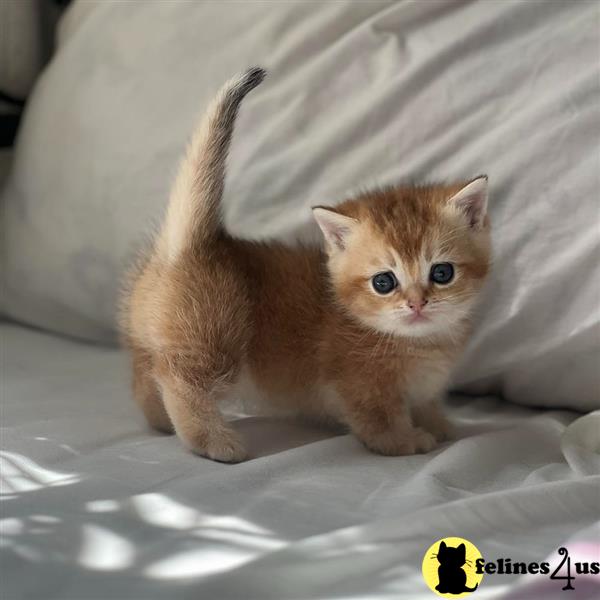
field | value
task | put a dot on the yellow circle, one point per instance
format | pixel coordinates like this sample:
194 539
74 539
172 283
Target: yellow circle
449 567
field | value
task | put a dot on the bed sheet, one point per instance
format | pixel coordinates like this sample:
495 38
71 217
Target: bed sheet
97 506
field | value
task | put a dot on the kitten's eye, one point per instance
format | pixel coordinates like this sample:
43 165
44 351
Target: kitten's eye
441 273
384 283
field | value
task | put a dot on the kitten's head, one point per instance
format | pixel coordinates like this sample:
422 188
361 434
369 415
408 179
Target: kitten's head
409 261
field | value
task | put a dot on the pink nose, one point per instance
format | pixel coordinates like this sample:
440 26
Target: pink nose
417 305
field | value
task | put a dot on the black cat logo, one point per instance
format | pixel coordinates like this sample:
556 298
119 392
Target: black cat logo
452 577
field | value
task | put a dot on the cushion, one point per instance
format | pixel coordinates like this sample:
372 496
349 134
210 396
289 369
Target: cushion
359 94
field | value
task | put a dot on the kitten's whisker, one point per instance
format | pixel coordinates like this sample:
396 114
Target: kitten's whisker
454 296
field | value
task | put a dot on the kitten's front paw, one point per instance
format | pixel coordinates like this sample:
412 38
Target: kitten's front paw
222 446
404 443
423 440
431 418
442 429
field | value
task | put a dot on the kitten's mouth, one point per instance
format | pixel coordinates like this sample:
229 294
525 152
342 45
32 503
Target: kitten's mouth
417 318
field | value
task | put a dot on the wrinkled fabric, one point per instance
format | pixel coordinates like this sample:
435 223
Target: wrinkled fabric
359 94
96 506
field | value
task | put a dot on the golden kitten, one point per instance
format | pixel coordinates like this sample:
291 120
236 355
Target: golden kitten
364 332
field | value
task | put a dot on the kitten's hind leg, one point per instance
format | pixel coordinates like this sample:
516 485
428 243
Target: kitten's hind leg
191 399
146 392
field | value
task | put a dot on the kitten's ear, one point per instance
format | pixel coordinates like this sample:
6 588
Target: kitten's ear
335 227
472 201
462 549
442 545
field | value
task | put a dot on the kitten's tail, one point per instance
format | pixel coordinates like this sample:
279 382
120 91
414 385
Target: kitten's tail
194 211
467 589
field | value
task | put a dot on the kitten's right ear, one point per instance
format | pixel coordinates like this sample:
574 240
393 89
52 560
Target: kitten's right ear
335 227
442 545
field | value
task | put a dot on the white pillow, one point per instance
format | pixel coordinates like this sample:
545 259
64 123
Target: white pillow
359 93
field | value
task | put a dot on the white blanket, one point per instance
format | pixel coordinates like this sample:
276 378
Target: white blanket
96 506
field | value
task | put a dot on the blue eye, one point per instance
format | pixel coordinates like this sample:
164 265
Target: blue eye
441 273
384 283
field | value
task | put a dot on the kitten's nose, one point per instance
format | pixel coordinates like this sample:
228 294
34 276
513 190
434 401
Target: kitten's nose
416 304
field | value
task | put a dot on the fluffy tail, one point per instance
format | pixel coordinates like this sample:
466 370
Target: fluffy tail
194 212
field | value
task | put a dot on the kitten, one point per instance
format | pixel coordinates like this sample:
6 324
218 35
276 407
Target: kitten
364 331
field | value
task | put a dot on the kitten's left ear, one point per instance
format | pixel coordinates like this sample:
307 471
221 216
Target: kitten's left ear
472 201
335 227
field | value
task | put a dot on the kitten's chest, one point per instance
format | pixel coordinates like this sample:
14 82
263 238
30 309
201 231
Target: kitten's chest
425 379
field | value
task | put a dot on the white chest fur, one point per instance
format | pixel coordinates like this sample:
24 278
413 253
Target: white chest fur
427 382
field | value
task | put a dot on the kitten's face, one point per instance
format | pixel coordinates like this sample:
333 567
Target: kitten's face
410 262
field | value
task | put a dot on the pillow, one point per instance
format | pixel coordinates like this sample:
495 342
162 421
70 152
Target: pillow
359 94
